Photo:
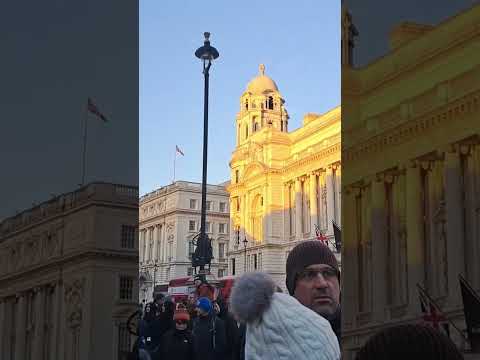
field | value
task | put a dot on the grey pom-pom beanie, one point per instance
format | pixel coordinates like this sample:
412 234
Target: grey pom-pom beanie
278 326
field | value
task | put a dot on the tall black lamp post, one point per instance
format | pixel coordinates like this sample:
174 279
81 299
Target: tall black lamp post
203 254
245 242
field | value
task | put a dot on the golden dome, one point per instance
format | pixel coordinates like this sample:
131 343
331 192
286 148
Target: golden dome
261 83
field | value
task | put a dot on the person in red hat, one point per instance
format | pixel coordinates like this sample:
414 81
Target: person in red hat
177 343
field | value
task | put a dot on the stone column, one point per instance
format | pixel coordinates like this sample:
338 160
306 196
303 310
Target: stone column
267 215
330 199
472 239
160 242
58 329
298 209
313 203
39 340
349 268
379 252
141 245
321 206
455 231
3 329
155 243
338 194
148 256
415 240
20 323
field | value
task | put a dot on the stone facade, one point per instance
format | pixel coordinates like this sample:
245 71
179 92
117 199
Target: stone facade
282 183
411 192
68 276
169 221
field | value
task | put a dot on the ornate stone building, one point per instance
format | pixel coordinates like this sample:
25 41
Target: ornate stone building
411 190
68 276
169 221
282 183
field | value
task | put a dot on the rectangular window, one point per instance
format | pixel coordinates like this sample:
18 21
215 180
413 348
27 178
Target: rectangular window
189 271
248 262
192 225
126 288
191 249
124 341
207 227
128 237
233 266
221 228
193 204
208 205
255 264
238 203
221 273
222 207
221 250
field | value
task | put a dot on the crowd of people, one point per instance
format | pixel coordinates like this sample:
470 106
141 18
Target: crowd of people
260 322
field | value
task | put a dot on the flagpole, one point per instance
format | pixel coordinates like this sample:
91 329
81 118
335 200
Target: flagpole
174 160
424 292
84 145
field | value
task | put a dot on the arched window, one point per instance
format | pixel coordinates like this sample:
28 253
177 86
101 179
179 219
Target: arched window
255 124
270 102
246 104
246 131
281 125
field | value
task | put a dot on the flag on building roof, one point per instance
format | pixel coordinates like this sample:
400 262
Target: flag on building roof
94 110
471 309
177 149
338 236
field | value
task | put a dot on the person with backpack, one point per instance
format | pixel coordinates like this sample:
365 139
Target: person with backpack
209 332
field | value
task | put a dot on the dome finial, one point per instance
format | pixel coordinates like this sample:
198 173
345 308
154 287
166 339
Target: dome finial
261 68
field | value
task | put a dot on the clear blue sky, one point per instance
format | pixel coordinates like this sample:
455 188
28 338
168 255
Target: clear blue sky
299 43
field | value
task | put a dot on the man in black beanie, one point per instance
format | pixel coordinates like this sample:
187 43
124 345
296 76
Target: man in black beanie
313 278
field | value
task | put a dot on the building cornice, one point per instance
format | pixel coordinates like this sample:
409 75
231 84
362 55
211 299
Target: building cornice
189 212
418 126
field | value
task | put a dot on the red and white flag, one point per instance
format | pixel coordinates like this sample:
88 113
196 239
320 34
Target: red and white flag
94 110
320 235
177 149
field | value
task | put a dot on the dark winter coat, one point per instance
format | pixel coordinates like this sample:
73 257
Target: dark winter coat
336 323
232 345
210 338
242 332
177 345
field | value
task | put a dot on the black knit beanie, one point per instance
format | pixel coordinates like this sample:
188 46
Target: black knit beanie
410 341
307 253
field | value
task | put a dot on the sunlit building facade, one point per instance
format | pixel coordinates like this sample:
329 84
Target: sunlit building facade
411 192
283 184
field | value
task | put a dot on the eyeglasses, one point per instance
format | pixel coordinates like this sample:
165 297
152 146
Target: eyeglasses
310 275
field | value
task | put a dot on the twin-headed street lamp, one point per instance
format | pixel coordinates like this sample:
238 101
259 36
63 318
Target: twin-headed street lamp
203 252
245 242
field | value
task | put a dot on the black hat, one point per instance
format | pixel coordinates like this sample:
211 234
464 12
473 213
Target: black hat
307 253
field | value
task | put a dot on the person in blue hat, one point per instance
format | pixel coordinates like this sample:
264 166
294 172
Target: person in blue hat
209 332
